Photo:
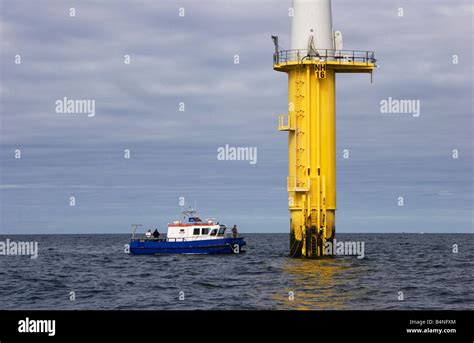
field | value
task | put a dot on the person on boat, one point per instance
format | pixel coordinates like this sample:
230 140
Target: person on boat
156 234
234 231
148 234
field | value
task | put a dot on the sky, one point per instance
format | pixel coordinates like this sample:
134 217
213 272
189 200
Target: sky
190 60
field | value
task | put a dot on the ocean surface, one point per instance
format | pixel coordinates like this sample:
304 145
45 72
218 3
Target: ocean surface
102 276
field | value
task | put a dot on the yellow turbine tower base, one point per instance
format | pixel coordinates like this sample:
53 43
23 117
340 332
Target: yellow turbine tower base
311 126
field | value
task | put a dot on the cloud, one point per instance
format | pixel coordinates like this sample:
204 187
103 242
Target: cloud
190 59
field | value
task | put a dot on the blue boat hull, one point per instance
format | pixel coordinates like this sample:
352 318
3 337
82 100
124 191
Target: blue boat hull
208 246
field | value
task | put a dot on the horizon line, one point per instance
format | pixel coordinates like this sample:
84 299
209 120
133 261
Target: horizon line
125 233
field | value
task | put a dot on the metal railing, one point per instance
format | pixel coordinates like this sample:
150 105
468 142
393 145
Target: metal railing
324 55
297 184
284 122
183 239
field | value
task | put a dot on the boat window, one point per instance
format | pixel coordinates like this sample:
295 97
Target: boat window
214 232
221 231
205 231
196 231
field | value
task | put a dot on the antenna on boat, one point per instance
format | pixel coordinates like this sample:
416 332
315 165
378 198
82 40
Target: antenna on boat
135 227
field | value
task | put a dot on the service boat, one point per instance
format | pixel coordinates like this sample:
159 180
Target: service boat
193 236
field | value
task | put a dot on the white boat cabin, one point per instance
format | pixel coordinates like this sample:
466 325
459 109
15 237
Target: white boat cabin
195 229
